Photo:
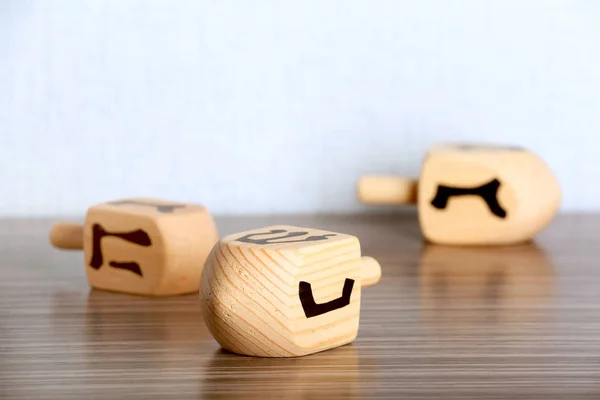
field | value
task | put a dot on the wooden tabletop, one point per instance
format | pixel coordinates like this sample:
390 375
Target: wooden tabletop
517 322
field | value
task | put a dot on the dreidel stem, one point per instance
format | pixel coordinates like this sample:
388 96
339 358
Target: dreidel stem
67 236
387 190
370 271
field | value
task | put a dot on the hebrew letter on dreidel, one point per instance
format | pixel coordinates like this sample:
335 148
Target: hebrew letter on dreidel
138 237
310 306
488 192
251 237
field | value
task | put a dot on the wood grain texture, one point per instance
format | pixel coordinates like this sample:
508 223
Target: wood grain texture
283 291
521 323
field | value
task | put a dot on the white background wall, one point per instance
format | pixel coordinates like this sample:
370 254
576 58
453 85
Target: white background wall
278 106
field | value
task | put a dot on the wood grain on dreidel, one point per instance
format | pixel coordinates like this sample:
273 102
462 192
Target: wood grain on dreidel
284 291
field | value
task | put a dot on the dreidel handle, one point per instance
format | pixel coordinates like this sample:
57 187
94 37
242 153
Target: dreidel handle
387 190
370 271
67 236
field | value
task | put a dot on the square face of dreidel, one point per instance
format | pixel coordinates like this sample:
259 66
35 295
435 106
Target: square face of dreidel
283 291
485 194
147 246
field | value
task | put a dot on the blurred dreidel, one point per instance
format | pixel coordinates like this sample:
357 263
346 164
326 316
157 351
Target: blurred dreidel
285 291
142 246
474 194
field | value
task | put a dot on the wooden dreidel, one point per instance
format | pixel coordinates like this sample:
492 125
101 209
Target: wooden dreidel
142 246
474 194
285 291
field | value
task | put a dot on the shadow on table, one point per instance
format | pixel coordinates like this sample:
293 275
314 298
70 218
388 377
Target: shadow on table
334 374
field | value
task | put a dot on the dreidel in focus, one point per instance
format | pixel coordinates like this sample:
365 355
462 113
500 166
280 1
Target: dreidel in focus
473 194
142 246
285 291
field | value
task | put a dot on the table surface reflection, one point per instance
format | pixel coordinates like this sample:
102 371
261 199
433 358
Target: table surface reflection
444 322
